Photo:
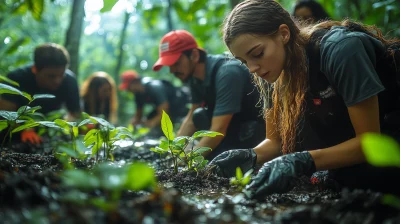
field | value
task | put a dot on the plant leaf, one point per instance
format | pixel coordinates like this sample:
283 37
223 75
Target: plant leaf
25 126
140 176
43 96
3 125
199 134
158 150
101 121
8 115
4 88
239 174
181 140
201 150
9 81
380 150
27 96
108 5
166 126
49 124
84 122
75 131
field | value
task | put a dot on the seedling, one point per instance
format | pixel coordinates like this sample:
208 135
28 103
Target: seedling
176 146
241 181
109 178
104 136
22 118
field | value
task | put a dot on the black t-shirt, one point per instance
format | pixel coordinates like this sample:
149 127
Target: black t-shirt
156 93
67 93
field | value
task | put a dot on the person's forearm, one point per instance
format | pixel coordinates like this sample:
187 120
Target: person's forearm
209 142
267 150
187 128
344 154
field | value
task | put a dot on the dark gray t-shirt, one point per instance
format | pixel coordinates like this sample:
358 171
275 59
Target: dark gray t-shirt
156 93
348 60
230 82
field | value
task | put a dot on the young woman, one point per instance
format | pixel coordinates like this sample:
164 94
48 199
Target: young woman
99 96
320 90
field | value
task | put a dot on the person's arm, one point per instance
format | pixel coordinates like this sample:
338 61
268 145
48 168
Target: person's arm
365 118
270 148
219 124
7 105
187 128
156 120
137 119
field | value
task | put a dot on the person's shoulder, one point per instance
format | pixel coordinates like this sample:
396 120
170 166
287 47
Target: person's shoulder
70 74
342 36
20 73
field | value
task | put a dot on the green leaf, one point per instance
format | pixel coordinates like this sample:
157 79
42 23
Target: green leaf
4 88
164 144
43 96
75 131
3 125
239 174
28 109
140 177
201 150
27 96
67 150
166 126
158 150
92 133
15 45
84 122
25 126
49 124
101 121
9 81
98 144
181 140
36 7
391 200
8 115
199 134
246 180
380 150
108 5
80 179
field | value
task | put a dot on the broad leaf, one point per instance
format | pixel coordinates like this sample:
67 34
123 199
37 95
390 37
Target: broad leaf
140 177
25 126
158 150
8 115
108 5
43 96
16 44
239 174
180 140
201 150
7 80
164 144
101 121
166 126
92 133
27 96
3 125
84 122
67 150
28 109
199 134
380 150
75 131
98 144
4 88
36 7
80 179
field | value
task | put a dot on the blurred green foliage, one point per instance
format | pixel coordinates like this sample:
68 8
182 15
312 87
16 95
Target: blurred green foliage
26 23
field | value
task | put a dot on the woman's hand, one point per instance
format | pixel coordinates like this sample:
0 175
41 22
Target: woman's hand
276 176
225 163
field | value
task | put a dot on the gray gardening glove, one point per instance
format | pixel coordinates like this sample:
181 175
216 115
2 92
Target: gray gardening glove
225 163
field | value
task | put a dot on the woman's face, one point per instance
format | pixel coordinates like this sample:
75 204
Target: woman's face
263 55
305 14
104 92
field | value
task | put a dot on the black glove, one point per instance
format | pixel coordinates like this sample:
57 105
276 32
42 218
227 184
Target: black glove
226 162
276 176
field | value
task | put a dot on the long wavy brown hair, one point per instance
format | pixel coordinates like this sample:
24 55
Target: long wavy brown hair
263 18
89 93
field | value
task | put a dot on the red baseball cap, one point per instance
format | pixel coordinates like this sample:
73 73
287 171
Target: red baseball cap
127 77
171 47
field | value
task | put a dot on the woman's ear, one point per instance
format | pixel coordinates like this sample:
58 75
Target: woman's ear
284 32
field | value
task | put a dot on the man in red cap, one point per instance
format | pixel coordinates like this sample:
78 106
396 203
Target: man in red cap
223 96
160 94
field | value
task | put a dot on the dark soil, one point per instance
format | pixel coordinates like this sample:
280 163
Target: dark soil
31 190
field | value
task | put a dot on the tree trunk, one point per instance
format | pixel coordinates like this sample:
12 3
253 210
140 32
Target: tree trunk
120 47
74 33
234 3
169 17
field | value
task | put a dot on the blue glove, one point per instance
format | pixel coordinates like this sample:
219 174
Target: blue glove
225 163
278 175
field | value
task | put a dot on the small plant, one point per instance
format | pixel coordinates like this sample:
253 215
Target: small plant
176 146
104 136
241 181
22 118
109 178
